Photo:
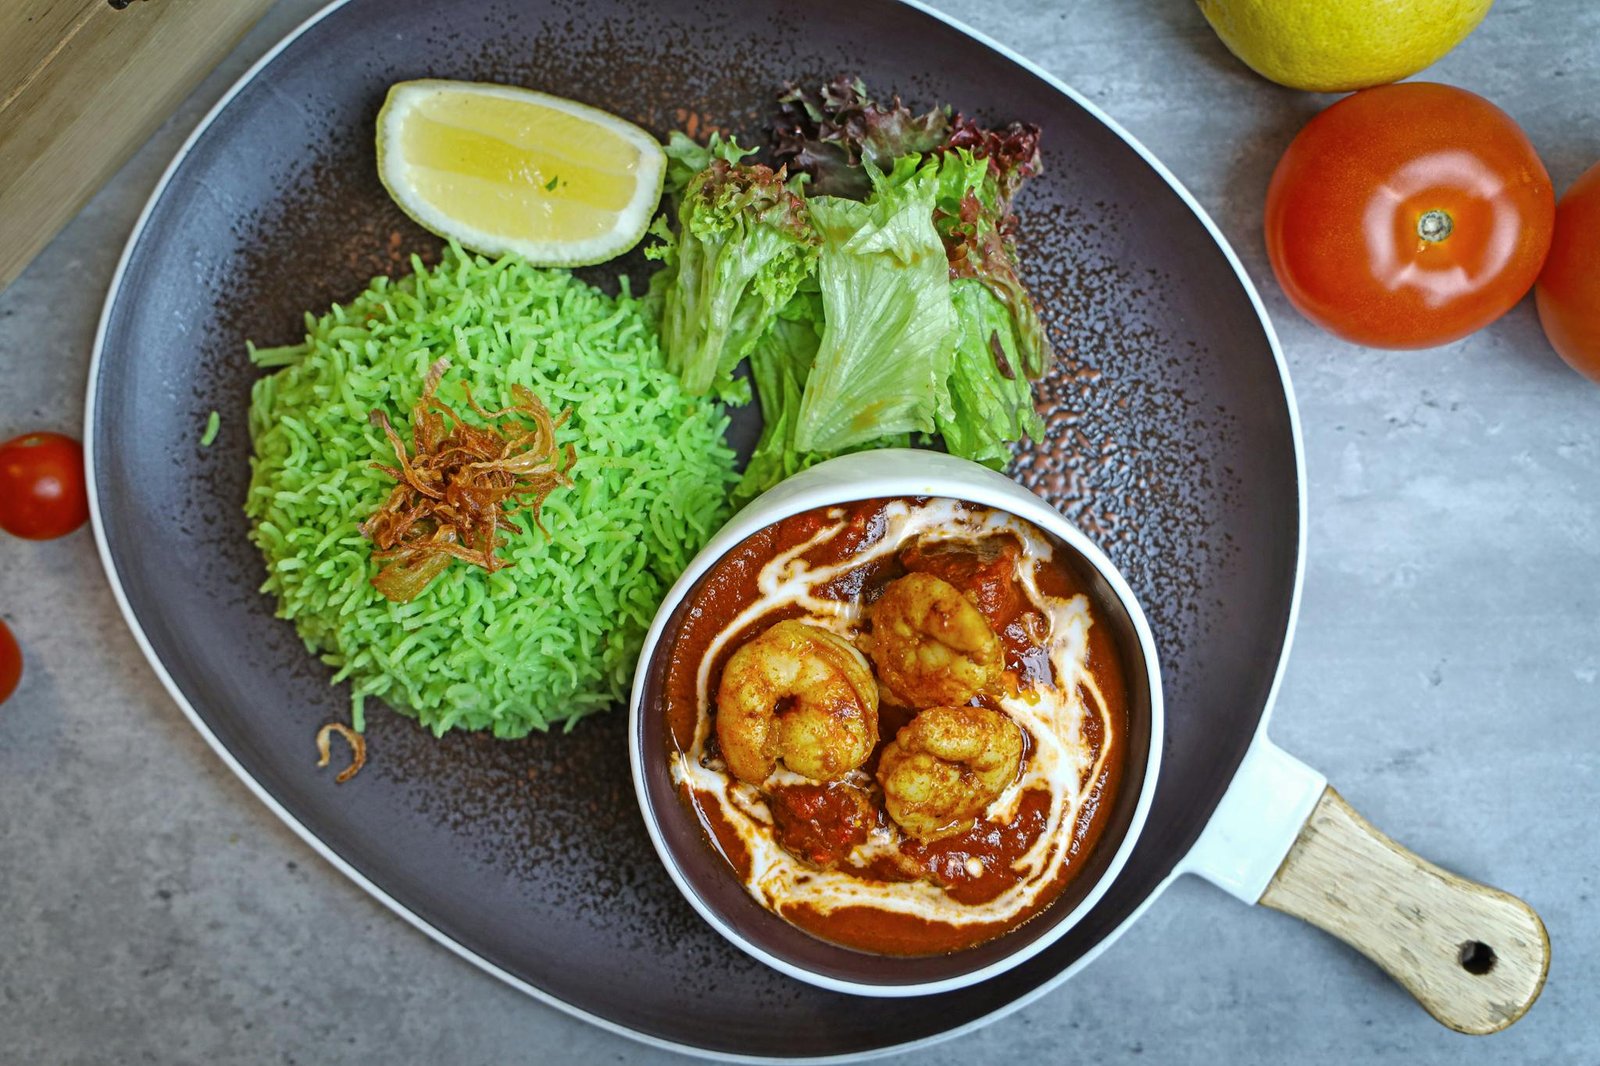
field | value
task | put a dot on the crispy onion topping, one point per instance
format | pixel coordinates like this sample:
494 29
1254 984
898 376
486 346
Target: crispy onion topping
459 482
358 749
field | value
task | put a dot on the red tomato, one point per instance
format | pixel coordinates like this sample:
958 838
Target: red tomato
1408 216
10 663
1569 287
42 492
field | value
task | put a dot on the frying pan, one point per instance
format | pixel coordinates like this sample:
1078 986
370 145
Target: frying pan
1171 441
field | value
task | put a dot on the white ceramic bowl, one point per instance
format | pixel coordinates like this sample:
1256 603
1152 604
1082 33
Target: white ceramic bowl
703 876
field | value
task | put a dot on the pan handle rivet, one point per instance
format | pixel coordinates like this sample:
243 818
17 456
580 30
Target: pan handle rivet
1477 958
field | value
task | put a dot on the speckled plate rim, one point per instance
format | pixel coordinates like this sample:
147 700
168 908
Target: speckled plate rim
316 843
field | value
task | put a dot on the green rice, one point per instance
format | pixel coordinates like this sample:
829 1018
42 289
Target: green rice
552 636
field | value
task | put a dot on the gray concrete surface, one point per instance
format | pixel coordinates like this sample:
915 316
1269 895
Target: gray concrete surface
1446 674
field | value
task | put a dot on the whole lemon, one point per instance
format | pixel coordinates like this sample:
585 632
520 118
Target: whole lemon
1339 45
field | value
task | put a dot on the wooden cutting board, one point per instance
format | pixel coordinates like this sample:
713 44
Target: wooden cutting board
82 84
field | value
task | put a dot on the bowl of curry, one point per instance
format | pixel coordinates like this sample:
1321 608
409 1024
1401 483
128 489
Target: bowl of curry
898 726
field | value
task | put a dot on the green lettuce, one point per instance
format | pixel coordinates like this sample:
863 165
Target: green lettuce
742 247
988 407
780 363
687 157
875 308
974 222
885 352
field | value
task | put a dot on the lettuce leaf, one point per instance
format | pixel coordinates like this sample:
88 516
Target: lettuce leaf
972 221
885 351
687 157
742 247
874 307
989 409
1011 151
780 363
834 131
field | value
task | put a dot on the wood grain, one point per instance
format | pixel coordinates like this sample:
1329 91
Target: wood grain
83 84
1475 957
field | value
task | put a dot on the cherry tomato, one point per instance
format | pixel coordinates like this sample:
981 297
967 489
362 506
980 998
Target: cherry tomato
10 663
42 492
1569 287
1408 216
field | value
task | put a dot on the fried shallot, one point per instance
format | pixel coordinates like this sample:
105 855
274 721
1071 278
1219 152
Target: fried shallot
358 749
459 483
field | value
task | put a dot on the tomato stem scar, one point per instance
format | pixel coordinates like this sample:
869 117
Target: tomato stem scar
1434 226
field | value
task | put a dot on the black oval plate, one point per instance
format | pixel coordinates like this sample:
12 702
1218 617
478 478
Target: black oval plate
1171 441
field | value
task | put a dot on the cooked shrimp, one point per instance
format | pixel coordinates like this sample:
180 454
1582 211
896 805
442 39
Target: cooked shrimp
800 694
930 644
946 766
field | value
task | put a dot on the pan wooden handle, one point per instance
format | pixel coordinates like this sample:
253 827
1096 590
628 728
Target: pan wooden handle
1474 957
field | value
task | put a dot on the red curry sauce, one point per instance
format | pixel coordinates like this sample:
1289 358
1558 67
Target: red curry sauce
821 824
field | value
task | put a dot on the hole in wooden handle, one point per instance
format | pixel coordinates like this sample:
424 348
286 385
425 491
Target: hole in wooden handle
1477 958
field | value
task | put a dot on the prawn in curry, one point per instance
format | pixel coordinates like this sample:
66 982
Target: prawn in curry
898 721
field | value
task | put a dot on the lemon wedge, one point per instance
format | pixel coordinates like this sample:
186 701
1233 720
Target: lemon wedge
503 169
